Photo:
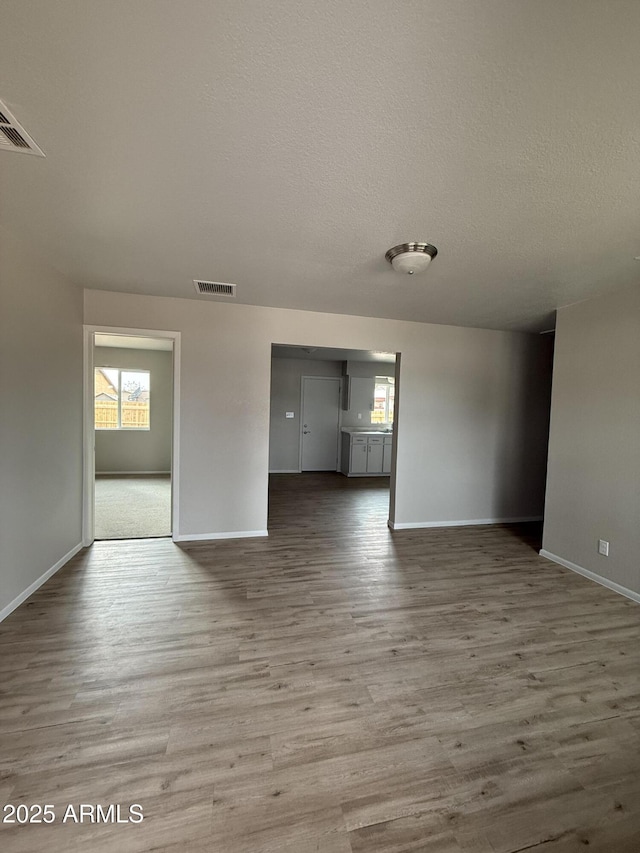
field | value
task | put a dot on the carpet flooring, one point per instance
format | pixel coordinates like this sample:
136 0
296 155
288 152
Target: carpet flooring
132 507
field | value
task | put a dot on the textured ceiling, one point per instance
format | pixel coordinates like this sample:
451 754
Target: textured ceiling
285 146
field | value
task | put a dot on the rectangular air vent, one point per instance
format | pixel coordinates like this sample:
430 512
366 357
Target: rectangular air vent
215 288
13 137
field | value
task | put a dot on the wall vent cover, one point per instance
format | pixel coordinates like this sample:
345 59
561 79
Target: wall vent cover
13 137
214 288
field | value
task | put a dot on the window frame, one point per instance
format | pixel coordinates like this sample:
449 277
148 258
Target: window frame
120 427
388 382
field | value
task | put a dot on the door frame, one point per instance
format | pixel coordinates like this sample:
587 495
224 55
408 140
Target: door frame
88 432
303 380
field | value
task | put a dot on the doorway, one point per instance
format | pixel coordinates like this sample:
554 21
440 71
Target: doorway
130 434
333 413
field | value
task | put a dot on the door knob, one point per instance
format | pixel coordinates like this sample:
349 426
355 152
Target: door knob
306 431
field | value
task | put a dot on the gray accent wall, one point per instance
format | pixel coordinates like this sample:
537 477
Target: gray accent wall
40 418
593 489
471 435
138 451
286 383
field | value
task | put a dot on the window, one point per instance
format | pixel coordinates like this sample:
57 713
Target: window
121 398
383 400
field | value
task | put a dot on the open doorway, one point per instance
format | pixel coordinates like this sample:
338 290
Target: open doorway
132 423
129 435
332 439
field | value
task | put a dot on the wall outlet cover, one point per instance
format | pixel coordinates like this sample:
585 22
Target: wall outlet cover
603 547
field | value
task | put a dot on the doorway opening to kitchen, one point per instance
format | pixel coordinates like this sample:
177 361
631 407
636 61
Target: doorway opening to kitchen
332 438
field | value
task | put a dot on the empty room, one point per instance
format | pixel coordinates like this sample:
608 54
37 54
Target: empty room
319 444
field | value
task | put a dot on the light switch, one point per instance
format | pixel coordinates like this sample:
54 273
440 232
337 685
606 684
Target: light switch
289 415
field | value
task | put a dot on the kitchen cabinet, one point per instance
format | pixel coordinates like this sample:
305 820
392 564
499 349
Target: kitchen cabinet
386 455
365 454
375 446
356 455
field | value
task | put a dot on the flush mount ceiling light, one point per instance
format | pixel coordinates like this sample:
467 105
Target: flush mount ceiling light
411 257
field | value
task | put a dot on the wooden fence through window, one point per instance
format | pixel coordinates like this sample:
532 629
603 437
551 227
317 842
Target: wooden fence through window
135 415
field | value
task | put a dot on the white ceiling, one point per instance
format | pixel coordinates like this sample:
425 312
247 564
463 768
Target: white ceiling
285 146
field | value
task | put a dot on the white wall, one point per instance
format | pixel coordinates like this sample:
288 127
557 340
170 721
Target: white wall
284 433
40 419
594 445
471 432
136 451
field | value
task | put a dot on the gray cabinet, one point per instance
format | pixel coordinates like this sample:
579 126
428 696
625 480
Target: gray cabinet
365 454
375 445
358 455
386 454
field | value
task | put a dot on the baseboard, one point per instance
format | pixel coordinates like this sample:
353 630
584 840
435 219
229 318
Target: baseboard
592 576
38 583
417 525
206 537
285 471
130 473
376 474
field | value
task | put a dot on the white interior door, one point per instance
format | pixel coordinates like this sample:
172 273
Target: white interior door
320 422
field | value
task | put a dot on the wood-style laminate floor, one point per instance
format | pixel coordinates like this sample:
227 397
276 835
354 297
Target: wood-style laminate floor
334 688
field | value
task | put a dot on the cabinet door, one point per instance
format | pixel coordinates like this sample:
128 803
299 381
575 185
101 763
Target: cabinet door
386 459
374 461
358 459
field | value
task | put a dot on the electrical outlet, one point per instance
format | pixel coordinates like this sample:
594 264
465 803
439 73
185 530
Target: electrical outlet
603 547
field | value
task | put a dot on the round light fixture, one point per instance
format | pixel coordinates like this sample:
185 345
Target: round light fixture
411 257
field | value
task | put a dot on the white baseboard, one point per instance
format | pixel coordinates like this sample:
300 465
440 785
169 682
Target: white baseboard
285 471
234 534
417 525
38 583
131 473
376 474
574 567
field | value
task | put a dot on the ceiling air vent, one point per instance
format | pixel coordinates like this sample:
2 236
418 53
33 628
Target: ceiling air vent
215 288
13 137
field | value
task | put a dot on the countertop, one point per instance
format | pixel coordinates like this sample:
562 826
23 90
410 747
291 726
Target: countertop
359 431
